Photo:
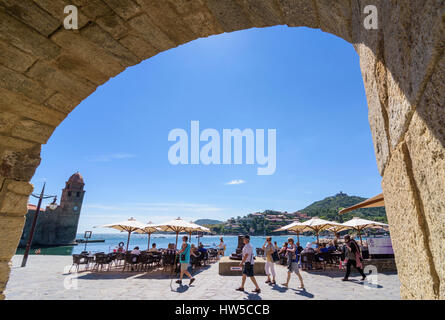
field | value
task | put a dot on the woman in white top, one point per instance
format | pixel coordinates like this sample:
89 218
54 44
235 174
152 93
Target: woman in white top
269 248
221 247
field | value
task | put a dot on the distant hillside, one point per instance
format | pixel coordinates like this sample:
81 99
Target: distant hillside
328 209
202 222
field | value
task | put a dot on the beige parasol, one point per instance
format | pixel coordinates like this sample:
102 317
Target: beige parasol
131 225
149 229
296 227
359 224
317 225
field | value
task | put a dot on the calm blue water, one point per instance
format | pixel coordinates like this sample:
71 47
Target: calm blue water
162 241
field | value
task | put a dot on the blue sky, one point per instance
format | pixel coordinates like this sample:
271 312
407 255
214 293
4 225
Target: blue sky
304 83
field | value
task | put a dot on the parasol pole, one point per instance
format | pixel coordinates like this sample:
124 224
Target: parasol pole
128 240
298 236
360 235
149 234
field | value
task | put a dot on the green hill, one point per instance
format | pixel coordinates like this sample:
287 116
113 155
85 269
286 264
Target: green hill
202 222
328 209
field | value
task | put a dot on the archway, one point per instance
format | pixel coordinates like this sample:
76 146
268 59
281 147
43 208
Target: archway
46 71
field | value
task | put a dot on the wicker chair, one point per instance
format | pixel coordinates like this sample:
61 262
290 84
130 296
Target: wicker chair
131 260
79 260
101 259
307 260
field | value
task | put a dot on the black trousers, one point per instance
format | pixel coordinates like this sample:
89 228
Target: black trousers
348 268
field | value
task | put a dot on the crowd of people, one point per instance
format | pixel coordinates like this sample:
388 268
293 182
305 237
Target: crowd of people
291 250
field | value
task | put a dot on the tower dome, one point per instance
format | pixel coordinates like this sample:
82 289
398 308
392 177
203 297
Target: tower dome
76 178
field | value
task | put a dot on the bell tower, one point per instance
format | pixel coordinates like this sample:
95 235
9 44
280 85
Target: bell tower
72 195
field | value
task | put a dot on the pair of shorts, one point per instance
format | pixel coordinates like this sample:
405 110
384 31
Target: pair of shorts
294 268
248 269
184 266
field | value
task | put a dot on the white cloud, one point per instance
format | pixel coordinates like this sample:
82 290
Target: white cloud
236 181
110 157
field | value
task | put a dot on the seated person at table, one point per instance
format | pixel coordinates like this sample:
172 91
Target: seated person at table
153 248
136 251
331 247
194 251
323 248
201 249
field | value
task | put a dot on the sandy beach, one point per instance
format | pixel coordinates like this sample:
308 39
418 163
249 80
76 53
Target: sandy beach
46 277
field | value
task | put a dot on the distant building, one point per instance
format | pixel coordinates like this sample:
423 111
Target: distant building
57 227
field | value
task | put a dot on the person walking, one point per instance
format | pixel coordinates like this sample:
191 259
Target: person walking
292 263
353 257
247 263
269 249
184 259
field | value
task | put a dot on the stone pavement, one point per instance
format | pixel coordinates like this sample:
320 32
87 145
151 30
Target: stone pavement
45 277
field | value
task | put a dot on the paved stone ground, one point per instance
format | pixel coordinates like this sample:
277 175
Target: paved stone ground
44 278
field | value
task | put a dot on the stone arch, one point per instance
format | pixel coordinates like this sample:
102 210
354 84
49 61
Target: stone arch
46 71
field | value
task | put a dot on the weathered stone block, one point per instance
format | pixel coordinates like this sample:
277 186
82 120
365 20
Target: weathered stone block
262 13
4 276
142 49
33 131
299 13
151 33
127 9
14 143
98 36
70 63
61 103
25 38
12 203
197 17
15 59
68 84
22 106
21 84
7 121
10 233
336 17
229 14
31 14
168 20
376 105
428 165
407 230
88 52
18 164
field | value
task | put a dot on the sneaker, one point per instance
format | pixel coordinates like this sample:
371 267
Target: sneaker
363 278
191 281
178 281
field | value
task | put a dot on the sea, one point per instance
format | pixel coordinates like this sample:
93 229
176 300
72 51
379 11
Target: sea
112 241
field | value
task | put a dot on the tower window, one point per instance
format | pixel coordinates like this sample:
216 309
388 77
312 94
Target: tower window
78 194
69 193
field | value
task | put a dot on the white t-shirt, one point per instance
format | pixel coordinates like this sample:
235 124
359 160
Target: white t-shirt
248 249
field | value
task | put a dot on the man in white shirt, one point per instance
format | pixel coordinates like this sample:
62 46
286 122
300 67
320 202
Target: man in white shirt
248 263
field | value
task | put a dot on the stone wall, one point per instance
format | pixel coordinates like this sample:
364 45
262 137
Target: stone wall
46 71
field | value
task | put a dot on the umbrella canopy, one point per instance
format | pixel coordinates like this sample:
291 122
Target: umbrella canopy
317 225
359 224
178 225
149 228
374 202
130 225
296 227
